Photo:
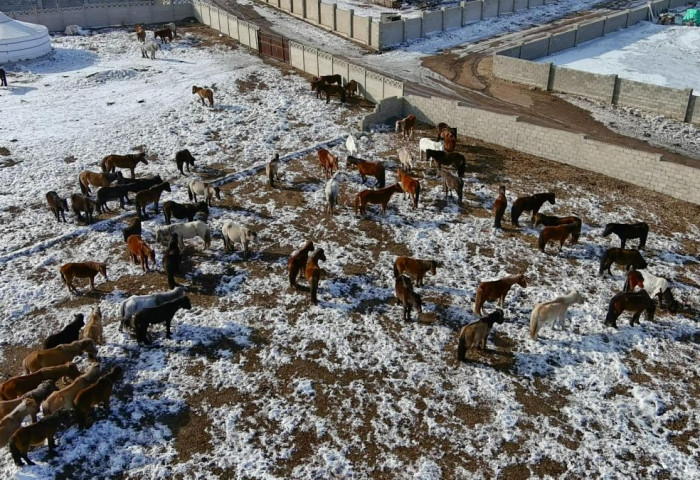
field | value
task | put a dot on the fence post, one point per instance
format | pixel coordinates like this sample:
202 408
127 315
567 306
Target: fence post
352 14
335 20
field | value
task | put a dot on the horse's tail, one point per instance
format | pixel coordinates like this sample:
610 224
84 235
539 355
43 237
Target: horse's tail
171 276
207 238
462 349
357 203
63 277
460 191
121 309
626 286
314 290
104 165
381 178
396 271
477 301
515 212
189 193
417 193
541 242
83 187
534 320
611 317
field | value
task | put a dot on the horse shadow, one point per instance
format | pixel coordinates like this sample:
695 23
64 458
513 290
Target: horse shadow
19 90
63 60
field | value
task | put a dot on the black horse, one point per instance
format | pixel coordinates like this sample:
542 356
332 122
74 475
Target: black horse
625 257
3 79
628 230
183 210
115 192
635 302
171 260
532 203
163 313
184 157
68 334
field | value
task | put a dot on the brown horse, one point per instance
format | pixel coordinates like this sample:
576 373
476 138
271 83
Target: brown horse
163 34
451 183
313 273
450 142
140 252
350 88
406 126
377 197
58 205
97 179
84 204
328 162
374 169
140 33
635 302
553 221
152 195
558 234
88 270
403 289
331 90
297 262
443 129
476 333
415 267
496 290
17 386
444 158
499 207
204 93
409 185
184 210
625 257
111 162
532 203
34 435
97 393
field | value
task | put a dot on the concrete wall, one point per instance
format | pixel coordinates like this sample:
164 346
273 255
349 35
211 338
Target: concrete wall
471 12
591 85
520 5
562 41
413 28
489 9
637 15
244 32
391 33
522 71
328 15
343 22
535 49
505 6
452 18
671 102
589 31
389 108
432 22
615 22
361 28
693 114
313 11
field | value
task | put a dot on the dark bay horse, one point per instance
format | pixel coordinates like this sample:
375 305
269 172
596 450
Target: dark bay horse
331 90
133 228
97 179
297 262
172 260
409 185
377 197
635 302
407 297
443 158
366 169
115 192
58 205
532 203
406 126
152 195
184 210
111 162
476 333
559 234
84 204
628 230
499 207
496 290
313 272
443 129
624 257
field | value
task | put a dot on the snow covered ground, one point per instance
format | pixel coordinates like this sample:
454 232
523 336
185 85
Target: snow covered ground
650 53
258 383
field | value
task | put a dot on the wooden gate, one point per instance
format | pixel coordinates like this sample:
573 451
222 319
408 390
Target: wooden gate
274 46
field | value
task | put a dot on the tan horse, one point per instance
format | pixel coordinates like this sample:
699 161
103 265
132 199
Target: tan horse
56 356
496 290
63 399
96 179
17 386
93 329
13 421
111 162
204 93
415 267
140 252
476 333
88 270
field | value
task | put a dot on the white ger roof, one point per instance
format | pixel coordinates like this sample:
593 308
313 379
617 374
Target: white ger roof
22 40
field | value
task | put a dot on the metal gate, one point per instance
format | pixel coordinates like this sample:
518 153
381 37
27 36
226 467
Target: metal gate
274 46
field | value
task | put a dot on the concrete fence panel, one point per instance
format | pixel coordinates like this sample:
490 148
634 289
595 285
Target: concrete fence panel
671 102
472 12
520 5
296 56
374 35
506 6
659 6
392 88
299 8
522 71
313 11
535 3
589 31
328 15
386 110
592 85
693 114
562 41
215 15
340 67
412 28
343 20
513 52
361 28
490 9
325 63
615 22
232 27
374 87
160 14
432 22
535 49
74 16
286 5
391 33
311 61
206 14
97 17
452 18
637 15
358 74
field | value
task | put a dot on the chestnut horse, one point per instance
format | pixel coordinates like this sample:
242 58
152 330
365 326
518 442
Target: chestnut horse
111 162
552 221
328 162
656 286
313 273
410 185
140 33
204 93
408 298
88 270
443 129
496 290
559 233
58 205
350 88
415 267
140 252
626 231
526 204
625 257
450 142
635 302
84 204
377 197
406 126
152 195
97 179
297 262
499 206
374 169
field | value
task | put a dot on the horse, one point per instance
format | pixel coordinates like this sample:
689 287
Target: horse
407 297
88 270
297 262
97 179
163 34
93 329
331 90
41 393
635 302
34 435
3 78
553 221
184 157
656 286
151 47
184 210
271 170
111 162
442 158
84 204
628 230
162 313
350 88
140 252
13 421
476 333
184 231
69 333
315 82
425 144
452 183
559 233
116 192
152 195
136 303
313 272
172 27
547 313
63 399
139 184
405 159
195 187
58 355
415 267
499 207
331 79
172 260
366 169
17 386
377 197
406 126
526 204
331 192
133 228
234 234
140 33
351 145
450 142
409 185
496 290
98 392
327 161
204 93
443 129
624 257
58 205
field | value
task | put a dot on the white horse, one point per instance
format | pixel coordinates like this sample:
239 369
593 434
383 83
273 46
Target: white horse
136 303
186 230
172 28
149 46
351 145
271 170
549 312
195 187
656 287
406 159
429 144
331 190
237 234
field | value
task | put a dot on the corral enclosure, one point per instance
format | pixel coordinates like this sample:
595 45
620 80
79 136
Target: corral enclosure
256 382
